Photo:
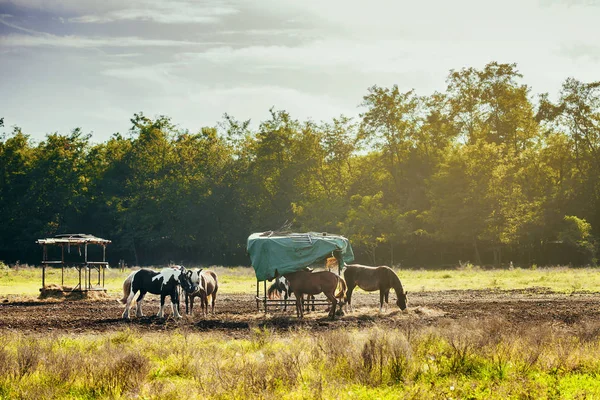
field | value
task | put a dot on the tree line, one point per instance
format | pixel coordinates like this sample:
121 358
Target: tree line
484 172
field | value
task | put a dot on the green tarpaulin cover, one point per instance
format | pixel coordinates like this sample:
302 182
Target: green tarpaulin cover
289 252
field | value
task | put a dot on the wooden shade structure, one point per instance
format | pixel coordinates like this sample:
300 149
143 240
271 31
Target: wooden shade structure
84 266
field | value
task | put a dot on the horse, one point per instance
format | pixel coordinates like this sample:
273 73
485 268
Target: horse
165 283
374 278
280 287
207 287
311 283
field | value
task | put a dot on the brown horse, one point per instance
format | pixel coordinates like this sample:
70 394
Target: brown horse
208 286
311 283
370 279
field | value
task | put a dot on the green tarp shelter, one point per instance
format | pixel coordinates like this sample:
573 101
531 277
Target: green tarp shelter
272 252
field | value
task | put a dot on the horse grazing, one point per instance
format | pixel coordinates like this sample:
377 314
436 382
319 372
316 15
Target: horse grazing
207 287
165 283
280 287
311 283
370 279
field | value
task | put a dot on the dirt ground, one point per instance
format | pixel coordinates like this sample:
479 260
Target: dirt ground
236 315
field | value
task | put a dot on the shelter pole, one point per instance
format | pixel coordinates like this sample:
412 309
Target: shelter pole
265 295
62 265
102 266
44 258
87 270
257 293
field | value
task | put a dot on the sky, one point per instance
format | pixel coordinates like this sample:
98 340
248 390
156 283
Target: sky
93 64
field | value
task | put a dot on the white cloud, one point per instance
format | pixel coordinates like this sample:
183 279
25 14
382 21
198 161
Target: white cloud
15 26
47 40
173 12
313 58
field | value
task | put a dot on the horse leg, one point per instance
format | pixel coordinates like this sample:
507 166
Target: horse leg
192 297
214 299
175 303
128 305
208 299
381 297
387 295
349 297
138 312
333 300
285 298
187 298
162 306
203 302
299 306
288 295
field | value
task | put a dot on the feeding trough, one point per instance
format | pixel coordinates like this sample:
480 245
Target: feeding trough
277 253
76 246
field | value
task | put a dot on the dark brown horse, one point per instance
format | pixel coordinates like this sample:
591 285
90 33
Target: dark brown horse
370 279
311 283
208 286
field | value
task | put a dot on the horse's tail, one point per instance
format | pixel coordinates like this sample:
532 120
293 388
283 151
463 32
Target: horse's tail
127 287
342 288
273 292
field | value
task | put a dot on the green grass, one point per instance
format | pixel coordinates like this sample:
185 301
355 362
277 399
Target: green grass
486 359
27 280
558 279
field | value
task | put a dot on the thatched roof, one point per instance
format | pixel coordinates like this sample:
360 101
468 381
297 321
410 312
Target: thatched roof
74 239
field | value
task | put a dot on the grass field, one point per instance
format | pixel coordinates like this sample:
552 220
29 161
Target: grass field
476 358
474 361
27 281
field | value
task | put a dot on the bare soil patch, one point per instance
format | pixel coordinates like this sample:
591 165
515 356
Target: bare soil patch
237 315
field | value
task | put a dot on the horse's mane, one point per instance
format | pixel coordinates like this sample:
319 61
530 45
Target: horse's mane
395 280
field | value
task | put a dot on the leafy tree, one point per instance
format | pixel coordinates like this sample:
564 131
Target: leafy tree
491 105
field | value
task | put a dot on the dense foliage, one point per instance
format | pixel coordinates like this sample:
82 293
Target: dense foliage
484 172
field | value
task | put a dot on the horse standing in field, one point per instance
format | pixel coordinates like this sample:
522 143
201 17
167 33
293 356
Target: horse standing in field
281 287
311 283
370 279
165 283
207 287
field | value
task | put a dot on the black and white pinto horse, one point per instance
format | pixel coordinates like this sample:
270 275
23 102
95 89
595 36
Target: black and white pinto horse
165 283
281 287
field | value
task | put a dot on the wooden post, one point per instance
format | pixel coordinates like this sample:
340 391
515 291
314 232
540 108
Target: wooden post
87 270
44 258
102 266
265 295
62 266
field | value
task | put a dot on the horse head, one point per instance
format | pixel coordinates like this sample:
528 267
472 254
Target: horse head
401 302
185 280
